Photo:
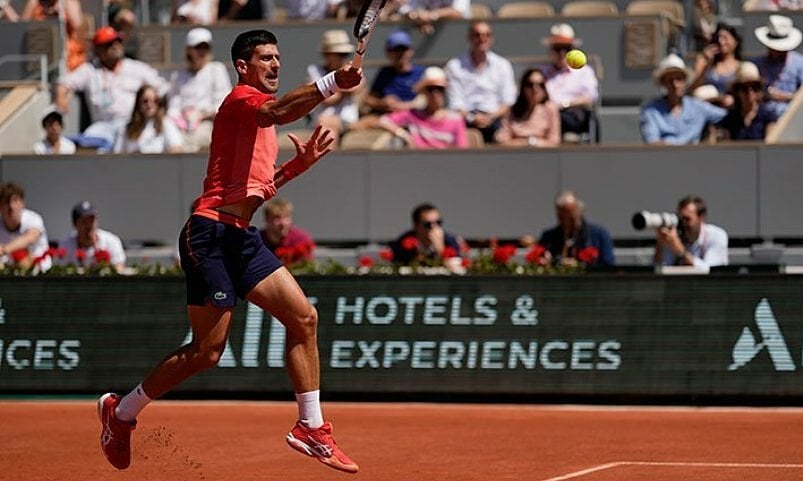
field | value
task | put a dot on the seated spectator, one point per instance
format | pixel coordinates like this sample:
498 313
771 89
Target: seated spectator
53 142
749 118
482 86
392 88
149 131
195 12
240 10
310 10
426 13
197 91
121 17
718 62
704 24
433 126
675 118
23 238
89 245
781 67
339 111
533 120
109 87
427 243
694 241
290 243
575 91
575 240
72 14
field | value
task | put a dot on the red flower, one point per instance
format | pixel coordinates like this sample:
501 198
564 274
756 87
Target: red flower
588 254
466 262
536 254
449 252
409 243
503 253
19 255
61 252
366 261
285 254
103 256
80 255
386 255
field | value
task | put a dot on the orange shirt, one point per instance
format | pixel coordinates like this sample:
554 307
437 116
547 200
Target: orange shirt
242 154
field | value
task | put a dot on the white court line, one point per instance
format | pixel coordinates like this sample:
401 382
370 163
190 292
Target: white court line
603 467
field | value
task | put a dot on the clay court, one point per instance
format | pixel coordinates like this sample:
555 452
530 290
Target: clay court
244 441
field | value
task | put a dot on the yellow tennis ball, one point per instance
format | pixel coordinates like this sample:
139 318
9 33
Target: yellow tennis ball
576 59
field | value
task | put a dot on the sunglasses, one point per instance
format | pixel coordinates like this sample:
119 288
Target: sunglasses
751 87
561 48
533 84
431 224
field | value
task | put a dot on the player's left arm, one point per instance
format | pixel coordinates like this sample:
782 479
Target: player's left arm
307 154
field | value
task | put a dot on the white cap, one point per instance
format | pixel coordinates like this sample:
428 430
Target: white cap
197 36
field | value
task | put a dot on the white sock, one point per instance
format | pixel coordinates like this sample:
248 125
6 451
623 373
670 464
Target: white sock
131 404
309 409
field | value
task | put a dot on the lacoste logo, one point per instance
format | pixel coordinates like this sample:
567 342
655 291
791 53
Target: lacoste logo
747 346
220 296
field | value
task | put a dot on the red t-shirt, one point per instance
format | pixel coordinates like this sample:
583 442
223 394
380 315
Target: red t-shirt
242 153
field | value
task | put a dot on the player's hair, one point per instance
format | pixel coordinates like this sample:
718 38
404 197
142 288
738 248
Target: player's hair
52 117
567 197
698 202
245 43
9 190
278 206
137 122
521 109
420 209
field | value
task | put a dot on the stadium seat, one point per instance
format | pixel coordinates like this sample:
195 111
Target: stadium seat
590 8
367 139
671 10
525 10
475 139
480 11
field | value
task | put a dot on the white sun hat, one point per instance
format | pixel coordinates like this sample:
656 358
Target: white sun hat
779 34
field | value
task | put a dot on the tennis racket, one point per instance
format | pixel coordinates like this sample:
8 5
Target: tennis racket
364 24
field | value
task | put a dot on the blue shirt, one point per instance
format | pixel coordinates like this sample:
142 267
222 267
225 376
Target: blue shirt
658 123
389 81
589 235
786 77
734 123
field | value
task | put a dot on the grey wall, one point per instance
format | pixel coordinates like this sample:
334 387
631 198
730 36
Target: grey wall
752 189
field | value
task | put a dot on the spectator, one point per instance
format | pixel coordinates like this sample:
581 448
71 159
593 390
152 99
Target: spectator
7 12
427 243
717 64
575 240
575 91
109 87
195 12
482 86
71 13
23 238
197 91
89 245
149 131
338 112
121 17
781 67
307 10
704 24
676 118
694 241
433 126
54 142
392 89
290 243
749 118
426 13
533 120
240 10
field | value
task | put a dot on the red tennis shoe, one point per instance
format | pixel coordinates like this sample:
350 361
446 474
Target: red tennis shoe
115 438
320 444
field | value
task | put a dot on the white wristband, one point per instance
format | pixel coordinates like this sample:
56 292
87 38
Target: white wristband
327 85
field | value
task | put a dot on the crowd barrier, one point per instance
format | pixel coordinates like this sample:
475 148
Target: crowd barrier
726 337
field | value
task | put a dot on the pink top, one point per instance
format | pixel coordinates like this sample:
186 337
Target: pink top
441 131
543 125
242 153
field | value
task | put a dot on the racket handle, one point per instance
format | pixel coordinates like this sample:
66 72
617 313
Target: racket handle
356 62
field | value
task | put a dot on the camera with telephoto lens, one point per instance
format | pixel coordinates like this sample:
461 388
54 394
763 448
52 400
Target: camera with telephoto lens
654 220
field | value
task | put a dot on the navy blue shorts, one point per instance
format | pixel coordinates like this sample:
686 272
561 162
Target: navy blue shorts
222 262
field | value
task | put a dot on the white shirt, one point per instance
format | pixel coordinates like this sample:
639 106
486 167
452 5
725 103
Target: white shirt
28 220
347 109
150 141
310 9
203 90
43 147
709 250
106 241
462 6
484 90
111 94
198 12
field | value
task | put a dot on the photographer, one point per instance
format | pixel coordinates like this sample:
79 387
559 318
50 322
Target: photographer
694 242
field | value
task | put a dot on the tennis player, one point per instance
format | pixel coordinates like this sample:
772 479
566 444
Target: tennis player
223 257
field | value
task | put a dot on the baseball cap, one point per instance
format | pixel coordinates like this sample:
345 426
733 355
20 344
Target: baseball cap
81 209
105 35
197 36
399 38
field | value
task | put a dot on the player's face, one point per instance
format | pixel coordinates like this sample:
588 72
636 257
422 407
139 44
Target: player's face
570 217
12 211
692 222
279 223
262 69
85 225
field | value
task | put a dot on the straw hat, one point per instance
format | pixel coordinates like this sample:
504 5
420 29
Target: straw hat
336 41
433 77
706 92
779 34
670 63
561 34
747 73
